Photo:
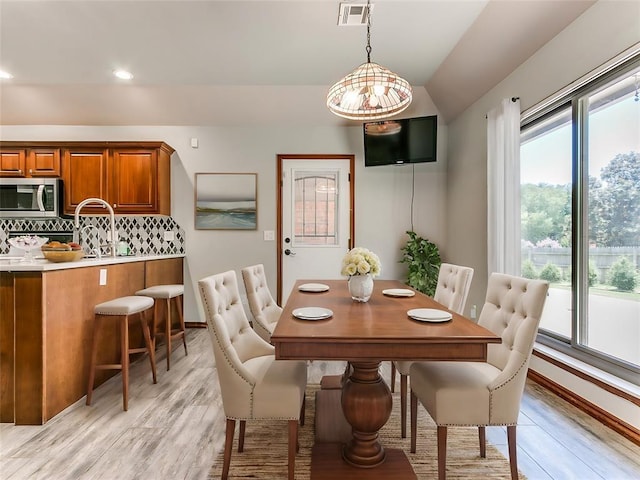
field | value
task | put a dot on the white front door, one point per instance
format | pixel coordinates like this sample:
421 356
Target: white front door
316 217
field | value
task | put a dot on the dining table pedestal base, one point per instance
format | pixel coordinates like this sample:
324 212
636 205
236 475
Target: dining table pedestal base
327 464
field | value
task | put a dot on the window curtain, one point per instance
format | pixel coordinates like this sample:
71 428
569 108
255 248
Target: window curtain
503 187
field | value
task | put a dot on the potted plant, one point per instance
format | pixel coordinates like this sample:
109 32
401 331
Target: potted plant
423 259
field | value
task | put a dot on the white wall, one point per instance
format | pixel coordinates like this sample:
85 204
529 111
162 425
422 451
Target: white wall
383 194
598 35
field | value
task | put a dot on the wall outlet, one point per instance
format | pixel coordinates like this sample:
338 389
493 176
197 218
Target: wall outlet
103 276
269 236
169 236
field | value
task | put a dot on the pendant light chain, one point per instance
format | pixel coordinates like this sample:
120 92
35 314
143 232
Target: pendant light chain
368 49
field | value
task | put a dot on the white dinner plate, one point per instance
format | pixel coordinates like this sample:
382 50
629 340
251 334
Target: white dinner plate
399 292
313 287
429 315
312 313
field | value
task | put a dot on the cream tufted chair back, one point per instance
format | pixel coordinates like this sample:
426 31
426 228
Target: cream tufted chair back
264 308
253 384
512 310
452 290
484 393
453 286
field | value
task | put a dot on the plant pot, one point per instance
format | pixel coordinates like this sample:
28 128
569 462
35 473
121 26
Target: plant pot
360 287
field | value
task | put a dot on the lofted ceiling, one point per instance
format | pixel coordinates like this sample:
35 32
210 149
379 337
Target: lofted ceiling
209 62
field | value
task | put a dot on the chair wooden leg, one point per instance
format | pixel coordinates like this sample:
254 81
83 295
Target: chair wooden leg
178 301
144 322
94 358
167 332
513 458
293 441
414 421
403 406
442 452
393 378
124 360
243 426
482 438
228 444
303 408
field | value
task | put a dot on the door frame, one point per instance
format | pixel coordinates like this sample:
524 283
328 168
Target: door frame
299 157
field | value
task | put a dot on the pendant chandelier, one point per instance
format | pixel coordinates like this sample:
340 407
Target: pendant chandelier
371 91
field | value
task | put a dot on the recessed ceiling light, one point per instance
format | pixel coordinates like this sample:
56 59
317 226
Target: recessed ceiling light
4 74
123 74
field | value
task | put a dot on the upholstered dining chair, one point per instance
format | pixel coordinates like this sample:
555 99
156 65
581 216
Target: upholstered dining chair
254 385
264 308
484 393
452 290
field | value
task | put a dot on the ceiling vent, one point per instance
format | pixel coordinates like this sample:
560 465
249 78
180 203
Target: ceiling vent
353 14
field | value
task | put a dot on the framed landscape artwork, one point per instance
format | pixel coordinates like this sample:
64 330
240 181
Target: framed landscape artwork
226 201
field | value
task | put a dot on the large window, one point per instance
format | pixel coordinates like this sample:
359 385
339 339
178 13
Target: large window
580 197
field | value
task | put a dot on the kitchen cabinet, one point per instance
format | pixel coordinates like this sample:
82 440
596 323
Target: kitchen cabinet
30 162
133 177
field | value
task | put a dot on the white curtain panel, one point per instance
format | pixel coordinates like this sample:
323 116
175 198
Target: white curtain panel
503 185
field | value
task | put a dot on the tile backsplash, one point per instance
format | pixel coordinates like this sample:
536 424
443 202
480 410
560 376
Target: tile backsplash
145 235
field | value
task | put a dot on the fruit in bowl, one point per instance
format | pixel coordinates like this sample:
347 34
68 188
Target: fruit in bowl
61 246
62 252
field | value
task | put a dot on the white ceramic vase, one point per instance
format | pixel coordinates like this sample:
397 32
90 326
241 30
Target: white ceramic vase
361 287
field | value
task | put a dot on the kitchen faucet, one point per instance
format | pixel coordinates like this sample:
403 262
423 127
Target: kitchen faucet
94 200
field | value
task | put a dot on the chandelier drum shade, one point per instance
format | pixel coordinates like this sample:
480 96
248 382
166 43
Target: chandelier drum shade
371 91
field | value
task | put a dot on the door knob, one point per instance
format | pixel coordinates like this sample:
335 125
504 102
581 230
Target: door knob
289 252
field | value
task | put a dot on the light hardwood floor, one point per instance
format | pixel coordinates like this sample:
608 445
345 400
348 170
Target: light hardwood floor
174 430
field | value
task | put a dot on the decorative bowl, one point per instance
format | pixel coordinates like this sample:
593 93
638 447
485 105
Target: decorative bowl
57 256
27 243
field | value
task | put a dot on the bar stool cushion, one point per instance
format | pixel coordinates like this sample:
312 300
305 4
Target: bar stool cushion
162 291
124 305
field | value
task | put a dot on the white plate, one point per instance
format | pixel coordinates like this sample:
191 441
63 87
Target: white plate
399 292
312 313
429 315
313 287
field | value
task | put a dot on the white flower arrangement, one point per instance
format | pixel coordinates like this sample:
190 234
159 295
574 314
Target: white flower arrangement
360 261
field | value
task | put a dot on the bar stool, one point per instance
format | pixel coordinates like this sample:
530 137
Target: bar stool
121 308
167 292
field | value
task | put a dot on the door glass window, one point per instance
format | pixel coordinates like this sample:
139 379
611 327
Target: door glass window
315 195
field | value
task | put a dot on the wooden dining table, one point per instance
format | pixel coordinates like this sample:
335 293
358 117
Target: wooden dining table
365 334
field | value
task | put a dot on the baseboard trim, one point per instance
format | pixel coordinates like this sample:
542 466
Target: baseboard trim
195 325
604 417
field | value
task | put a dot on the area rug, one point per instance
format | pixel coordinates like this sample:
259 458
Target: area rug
265 449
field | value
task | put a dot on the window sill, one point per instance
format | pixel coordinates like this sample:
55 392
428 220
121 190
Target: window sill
589 373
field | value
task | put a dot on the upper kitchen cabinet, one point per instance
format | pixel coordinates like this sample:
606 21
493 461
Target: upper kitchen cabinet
29 162
133 177
84 175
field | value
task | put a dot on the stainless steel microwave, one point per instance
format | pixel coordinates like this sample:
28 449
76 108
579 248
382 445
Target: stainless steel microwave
30 197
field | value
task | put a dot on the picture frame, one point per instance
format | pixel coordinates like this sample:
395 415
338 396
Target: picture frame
226 201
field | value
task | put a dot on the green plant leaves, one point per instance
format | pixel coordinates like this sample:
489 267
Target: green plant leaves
423 259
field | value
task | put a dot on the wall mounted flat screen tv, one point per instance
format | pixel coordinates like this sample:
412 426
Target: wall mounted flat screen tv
398 142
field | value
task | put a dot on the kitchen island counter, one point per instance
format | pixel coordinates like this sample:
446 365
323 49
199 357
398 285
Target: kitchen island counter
15 264
46 327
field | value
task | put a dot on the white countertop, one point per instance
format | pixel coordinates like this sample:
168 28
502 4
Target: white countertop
11 264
